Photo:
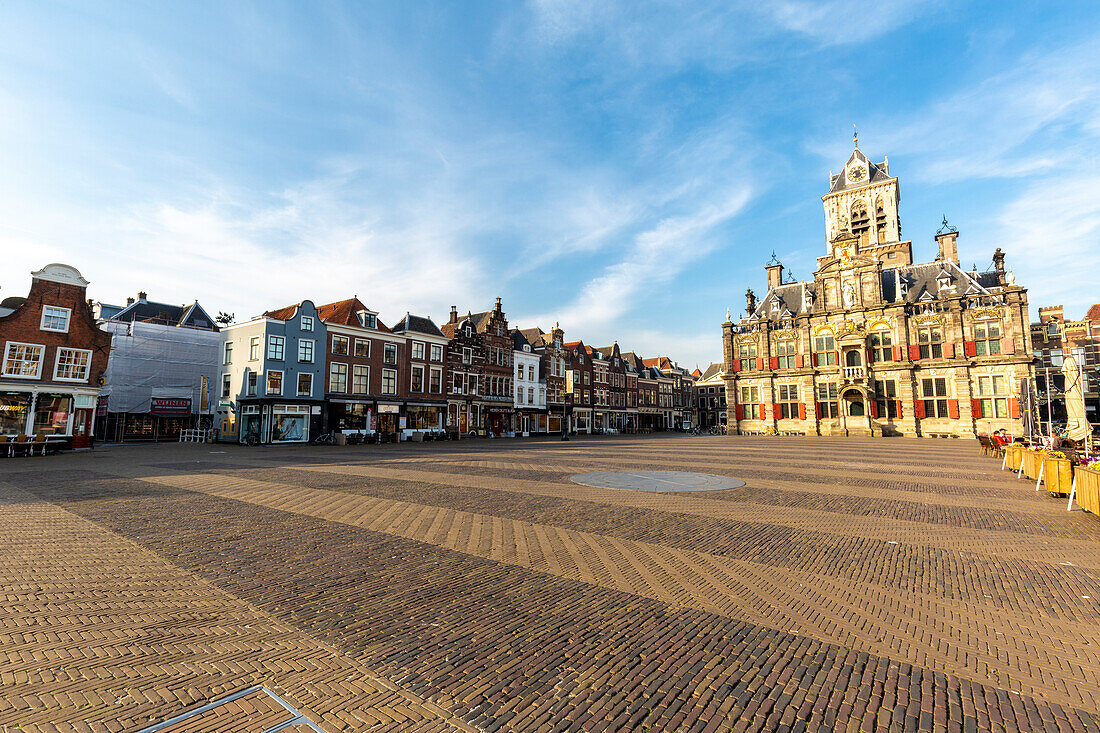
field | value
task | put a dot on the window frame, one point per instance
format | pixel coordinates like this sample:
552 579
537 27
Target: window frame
227 352
355 348
38 370
57 364
267 381
255 348
787 399
935 404
389 375
822 340
436 349
306 324
984 343
308 393
312 350
364 371
412 378
276 345
333 372
339 338
926 345
227 385
68 318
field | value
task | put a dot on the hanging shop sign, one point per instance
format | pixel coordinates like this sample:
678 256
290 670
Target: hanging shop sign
169 406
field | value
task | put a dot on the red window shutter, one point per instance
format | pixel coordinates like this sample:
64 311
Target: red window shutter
975 408
897 353
817 410
736 365
949 350
798 361
970 348
813 358
759 363
870 354
1013 408
899 409
953 409
874 409
801 410
918 409
914 352
836 358
777 411
763 411
775 362
1008 345
740 412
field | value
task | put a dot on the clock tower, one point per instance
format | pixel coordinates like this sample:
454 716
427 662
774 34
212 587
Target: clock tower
862 205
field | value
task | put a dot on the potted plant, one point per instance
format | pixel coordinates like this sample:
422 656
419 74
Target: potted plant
1087 474
1057 472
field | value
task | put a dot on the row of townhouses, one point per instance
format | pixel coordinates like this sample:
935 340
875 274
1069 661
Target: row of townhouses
76 370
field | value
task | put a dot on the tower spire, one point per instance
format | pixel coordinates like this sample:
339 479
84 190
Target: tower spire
855 136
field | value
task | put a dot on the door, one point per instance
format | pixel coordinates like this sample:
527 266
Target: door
463 424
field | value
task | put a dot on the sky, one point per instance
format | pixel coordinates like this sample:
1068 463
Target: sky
622 168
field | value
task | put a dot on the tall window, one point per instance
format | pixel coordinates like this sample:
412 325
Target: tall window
362 348
435 380
72 365
437 352
254 348
55 318
23 360
861 222
886 398
750 402
305 351
418 350
227 352
360 379
467 355
339 345
788 401
519 395
993 396
930 340
882 346
275 347
987 339
746 352
880 221
391 354
824 349
337 377
934 392
274 382
787 351
418 379
227 385
389 381
827 400
250 390
305 382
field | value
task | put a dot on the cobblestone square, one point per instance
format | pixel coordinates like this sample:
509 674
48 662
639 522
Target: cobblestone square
849 585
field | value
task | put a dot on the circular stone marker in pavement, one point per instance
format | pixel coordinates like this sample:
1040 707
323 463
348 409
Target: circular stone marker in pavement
657 480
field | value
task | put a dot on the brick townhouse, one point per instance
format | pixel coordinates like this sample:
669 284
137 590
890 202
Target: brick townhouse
680 387
875 344
612 406
710 391
426 373
479 360
580 383
54 356
554 358
1053 338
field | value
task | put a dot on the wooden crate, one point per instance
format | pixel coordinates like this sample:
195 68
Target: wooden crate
1088 489
1032 461
1057 475
1013 454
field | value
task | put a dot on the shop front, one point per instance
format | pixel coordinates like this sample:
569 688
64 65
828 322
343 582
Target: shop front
59 416
422 417
499 421
582 420
277 422
389 417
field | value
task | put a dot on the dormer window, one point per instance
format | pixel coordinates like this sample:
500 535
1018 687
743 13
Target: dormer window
944 281
367 319
469 331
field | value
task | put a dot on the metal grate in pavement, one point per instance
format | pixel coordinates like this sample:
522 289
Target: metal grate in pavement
252 710
657 480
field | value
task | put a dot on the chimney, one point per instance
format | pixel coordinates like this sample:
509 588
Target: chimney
454 314
497 308
999 264
750 303
129 301
143 296
775 273
949 248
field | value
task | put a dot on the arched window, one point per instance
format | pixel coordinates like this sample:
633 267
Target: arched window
880 221
852 358
861 222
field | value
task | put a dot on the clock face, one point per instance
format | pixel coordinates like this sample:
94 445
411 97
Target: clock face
856 173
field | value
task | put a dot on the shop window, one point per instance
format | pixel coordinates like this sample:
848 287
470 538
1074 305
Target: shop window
360 379
305 351
824 350
882 346
305 384
934 392
55 318
930 342
788 401
337 377
274 382
52 413
23 360
290 424
827 400
275 346
389 381
13 412
340 345
72 365
993 396
886 398
987 339
750 403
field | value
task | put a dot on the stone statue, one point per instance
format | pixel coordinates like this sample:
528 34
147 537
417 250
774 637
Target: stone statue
849 294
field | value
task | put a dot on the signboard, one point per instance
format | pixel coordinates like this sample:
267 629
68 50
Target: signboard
170 406
389 409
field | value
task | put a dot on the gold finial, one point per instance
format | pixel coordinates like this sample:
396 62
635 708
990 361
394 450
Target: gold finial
855 135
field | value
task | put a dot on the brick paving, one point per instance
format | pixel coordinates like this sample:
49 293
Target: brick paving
851 585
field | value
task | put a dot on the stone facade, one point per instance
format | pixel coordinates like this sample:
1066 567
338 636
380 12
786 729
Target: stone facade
1053 338
874 344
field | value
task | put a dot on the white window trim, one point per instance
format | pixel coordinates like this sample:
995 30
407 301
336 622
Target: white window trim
224 375
227 352
57 364
259 350
423 351
352 375
271 342
383 387
267 382
297 387
423 377
347 376
385 351
356 345
303 324
312 350
332 345
41 357
432 371
431 350
68 318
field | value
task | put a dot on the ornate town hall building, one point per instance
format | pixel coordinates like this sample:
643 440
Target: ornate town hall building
875 344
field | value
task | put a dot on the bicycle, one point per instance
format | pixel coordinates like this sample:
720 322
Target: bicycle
324 439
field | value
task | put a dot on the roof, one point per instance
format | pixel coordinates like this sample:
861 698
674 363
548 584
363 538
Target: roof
876 172
535 336
283 314
343 312
1093 313
148 311
712 372
417 324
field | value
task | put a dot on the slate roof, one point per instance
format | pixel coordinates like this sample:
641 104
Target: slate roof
148 311
344 312
417 324
875 172
712 371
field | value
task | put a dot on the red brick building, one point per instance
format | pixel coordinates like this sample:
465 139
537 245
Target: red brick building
554 365
479 361
580 383
54 356
425 373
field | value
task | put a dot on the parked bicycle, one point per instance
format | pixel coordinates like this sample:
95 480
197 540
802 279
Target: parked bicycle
324 439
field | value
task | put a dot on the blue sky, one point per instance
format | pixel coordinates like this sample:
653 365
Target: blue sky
621 167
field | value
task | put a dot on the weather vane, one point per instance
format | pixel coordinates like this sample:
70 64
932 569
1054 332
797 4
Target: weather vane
855 135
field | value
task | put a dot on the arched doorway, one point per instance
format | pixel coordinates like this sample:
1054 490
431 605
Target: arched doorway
854 409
